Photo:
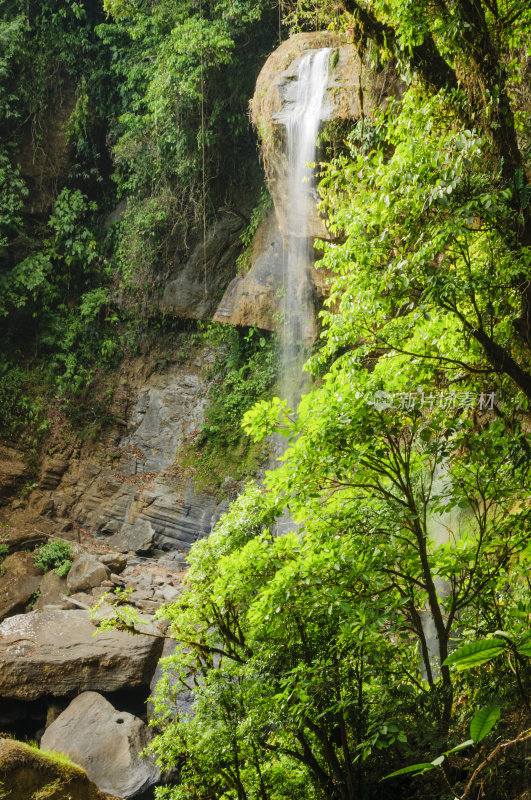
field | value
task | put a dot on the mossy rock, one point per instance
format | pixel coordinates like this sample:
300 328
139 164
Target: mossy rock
27 773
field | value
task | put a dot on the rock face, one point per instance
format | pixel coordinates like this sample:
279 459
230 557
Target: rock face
253 298
45 168
56 653
53 590
106 743
22 539
127 488
353 89
85 573
27 774
195 291
18 584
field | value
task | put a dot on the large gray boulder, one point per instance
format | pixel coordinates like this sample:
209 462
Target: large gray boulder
85 573
56 653
106 743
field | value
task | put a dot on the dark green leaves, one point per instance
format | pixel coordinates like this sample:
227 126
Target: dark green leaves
483 722
475 653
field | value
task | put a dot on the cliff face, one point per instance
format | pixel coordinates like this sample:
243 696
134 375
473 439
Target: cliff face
132 491
125 485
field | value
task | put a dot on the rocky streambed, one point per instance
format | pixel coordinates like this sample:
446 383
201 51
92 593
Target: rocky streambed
69 685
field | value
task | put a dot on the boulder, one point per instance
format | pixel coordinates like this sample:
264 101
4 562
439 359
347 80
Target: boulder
18 583
56 653
116 562
27 773
53 589
85 573
106 743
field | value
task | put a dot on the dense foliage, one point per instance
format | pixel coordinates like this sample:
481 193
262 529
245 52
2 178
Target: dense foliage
138 104
325 659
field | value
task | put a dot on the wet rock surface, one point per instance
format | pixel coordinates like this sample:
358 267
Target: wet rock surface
194 292
106 743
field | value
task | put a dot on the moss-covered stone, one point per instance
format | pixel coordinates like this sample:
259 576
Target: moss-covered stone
27 773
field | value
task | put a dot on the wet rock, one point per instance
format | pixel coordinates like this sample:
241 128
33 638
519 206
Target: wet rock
56 653
27 773
19 582
106 743
85 573
206 274
253 298
52 592
276 91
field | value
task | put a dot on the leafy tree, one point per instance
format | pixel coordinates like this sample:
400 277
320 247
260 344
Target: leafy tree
330 647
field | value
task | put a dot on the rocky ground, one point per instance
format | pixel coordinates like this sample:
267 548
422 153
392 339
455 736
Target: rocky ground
69 684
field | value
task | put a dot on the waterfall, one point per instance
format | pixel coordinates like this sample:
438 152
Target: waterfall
302 126
301 122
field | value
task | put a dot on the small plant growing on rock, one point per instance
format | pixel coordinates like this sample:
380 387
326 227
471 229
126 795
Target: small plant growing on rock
56 555
4 550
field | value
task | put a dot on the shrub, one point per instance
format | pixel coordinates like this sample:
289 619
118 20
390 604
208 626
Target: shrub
56 555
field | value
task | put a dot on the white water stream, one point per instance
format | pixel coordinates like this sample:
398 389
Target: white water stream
301 120
302 126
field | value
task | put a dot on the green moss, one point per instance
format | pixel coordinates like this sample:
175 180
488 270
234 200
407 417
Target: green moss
211 466
59 759
245 372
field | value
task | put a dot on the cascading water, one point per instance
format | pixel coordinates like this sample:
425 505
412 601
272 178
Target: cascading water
302 126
